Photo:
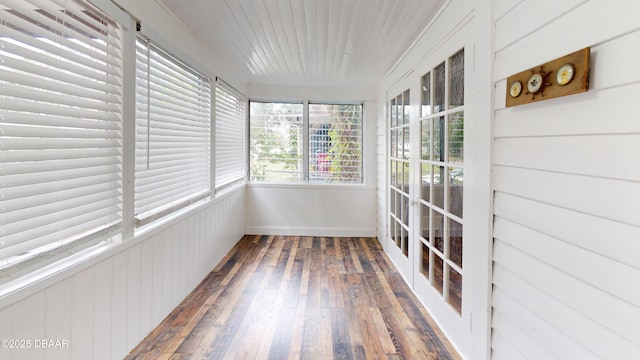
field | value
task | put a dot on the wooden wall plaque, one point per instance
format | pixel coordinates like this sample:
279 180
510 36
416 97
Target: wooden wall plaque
563 76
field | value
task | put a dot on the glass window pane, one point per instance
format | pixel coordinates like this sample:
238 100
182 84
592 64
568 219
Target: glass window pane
455 241
426 182
456 183
438 139
275 142
426 95
335 143
438 186
425 142
439 87
456 138
456 79
455 290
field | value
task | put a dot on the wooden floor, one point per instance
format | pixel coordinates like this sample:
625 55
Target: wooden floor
277 297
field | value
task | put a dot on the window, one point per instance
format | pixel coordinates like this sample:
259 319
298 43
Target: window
230 135
335 143
173 117
317 143
275 142
61 121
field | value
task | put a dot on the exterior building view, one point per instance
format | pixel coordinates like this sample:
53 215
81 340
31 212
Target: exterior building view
478 141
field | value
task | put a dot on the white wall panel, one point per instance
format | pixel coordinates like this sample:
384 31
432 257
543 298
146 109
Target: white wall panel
576 28
102 321
82 313
57 314
311 210
566 225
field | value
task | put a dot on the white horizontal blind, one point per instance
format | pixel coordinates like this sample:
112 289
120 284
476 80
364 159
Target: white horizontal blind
335 143
173 117
60 123
230 135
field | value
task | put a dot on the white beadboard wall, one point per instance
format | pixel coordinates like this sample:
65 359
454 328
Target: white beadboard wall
105 309
381 168
566 270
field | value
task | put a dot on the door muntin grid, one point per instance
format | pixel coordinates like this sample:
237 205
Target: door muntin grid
399 164
442 178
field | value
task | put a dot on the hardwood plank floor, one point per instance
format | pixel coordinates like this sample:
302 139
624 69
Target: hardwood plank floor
291 297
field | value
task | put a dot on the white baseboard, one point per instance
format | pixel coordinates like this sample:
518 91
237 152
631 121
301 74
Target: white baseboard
310 231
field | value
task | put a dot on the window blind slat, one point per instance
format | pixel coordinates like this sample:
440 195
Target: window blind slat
173 119
61 121
230 110
47 74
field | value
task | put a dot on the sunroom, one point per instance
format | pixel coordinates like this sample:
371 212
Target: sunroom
145 143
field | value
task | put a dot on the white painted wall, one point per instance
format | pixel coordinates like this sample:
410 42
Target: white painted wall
311 209
104 305
567 187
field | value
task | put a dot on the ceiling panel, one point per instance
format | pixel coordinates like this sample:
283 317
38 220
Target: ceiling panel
307 42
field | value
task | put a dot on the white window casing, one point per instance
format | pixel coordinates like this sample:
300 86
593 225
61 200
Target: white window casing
173 120
61 130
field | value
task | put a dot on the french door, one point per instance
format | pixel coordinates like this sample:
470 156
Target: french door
401 216
427 187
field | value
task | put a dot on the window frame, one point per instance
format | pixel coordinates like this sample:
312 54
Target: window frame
305 163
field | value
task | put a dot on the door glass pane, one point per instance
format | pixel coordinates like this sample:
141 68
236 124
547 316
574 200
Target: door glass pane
437 272
392 201
456 182
455 290
426 182
406 142
426 95
424 264
455 241
405 210
401 145
456 79
438 231
424 222
438 186
438 139
456 138
425 143
439 86
392 107
406 107
405 242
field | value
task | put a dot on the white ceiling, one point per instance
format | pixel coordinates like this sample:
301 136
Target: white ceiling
308 42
